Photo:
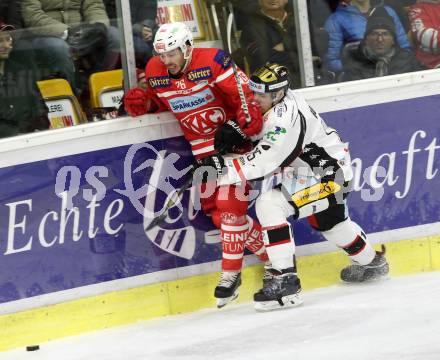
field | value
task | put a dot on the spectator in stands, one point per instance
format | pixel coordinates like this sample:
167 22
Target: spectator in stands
269 36
401 8
378 54
143 17
425 25
22 108
347 24
110 9
10 13
319 11
54 23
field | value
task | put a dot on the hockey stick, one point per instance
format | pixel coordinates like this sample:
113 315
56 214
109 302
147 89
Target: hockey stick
234 66
174 199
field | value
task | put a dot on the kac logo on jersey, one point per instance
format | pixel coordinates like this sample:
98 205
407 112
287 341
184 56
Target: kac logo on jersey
195 101
199 74
229 218
160 81
204 121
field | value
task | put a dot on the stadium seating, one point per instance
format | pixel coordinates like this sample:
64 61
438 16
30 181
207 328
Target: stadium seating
106 88
64 108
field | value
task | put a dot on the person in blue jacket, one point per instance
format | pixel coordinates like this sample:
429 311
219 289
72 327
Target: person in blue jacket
347 24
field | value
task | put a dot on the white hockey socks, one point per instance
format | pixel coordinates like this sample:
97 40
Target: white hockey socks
349 237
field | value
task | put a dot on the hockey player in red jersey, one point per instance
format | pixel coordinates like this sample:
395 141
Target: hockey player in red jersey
318 171
199 87
425 26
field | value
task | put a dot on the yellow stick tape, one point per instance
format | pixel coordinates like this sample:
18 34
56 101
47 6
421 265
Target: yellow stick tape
190 294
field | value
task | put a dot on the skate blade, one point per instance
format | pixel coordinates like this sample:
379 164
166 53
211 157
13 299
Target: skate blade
224 301
288 301
376 279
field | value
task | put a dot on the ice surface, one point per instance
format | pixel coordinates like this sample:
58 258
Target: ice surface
397 318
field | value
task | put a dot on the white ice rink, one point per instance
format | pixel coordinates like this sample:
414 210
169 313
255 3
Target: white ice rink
393 319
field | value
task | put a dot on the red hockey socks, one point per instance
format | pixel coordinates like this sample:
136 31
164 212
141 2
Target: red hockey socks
233 232
254 241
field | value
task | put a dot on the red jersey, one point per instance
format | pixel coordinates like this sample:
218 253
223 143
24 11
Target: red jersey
202 98
425 27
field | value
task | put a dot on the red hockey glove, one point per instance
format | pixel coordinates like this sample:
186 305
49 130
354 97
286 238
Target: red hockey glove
256 124
137 102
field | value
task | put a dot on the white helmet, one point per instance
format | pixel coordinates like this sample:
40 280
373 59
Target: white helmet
173 36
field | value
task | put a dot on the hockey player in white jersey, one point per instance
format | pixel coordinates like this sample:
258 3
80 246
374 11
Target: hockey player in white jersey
316 170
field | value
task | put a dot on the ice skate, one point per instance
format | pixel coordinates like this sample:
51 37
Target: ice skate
227 289
375 270
268 272
281 291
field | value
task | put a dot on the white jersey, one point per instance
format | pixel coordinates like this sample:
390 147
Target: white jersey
295 137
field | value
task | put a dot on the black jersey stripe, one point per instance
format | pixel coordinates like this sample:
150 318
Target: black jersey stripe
300 143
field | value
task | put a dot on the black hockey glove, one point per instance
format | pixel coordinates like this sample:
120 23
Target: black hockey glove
215 161
228 136
209 168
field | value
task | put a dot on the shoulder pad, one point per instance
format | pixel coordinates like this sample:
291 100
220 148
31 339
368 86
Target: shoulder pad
223 59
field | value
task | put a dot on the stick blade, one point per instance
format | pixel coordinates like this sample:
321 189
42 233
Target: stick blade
156 221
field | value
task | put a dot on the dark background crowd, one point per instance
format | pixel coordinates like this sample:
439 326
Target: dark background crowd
350 40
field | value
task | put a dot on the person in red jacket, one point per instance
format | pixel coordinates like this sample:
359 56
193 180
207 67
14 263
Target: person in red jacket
424 17
198 86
